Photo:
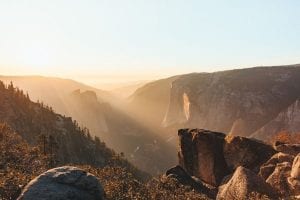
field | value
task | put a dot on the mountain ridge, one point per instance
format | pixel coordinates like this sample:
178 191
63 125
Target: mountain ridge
69 143
275 87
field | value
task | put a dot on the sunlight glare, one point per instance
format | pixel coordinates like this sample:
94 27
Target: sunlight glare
34 56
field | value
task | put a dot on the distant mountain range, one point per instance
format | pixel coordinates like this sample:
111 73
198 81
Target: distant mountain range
255 102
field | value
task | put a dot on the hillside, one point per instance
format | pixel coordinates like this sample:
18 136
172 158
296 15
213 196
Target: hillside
239 101
21 162
60 136
236 101
151 100
287 120
97 110
33 138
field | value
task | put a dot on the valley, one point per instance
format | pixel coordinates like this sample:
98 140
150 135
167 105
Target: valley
94 127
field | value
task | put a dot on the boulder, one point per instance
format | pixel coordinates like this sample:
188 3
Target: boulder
279 178
282 172
187 154
245 184
179 173
260 169
201 154
268 168
294 179
280 158
292 149
249 153
63 183
295 173
294 186
184 178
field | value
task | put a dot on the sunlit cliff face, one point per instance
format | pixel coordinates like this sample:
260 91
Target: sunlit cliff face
186 106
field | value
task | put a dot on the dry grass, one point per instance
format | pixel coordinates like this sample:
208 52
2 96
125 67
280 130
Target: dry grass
20 163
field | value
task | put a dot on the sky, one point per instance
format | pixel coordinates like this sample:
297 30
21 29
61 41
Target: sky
129 40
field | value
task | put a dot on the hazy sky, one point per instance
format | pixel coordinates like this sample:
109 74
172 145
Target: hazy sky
145 39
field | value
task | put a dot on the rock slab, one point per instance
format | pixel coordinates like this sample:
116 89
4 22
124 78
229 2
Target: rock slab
201 154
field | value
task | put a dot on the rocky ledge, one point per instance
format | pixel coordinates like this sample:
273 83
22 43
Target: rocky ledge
233 167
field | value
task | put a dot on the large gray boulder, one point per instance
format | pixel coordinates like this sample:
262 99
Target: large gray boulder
64 183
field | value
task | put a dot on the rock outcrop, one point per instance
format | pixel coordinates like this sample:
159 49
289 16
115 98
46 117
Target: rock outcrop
210 155
249 153
241 168
267 168
282 173
278 179
64 183
201 154
244 184
292 149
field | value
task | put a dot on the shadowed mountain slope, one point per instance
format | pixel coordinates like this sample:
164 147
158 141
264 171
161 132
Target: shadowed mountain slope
60 136
96 110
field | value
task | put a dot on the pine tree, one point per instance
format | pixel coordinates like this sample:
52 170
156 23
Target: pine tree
53 148
42 143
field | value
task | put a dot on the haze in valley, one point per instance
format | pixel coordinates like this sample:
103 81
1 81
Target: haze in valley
158 99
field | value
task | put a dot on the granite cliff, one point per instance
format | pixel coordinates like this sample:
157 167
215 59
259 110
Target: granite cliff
238 102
